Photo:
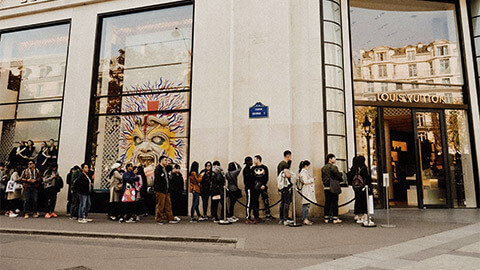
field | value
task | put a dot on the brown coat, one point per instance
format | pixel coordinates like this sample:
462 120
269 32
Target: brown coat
195 180
26 176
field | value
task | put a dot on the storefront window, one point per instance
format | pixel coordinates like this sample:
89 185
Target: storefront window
142 99
32 71
423 31
460 159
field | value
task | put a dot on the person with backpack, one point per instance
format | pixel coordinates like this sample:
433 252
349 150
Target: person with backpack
358 178
233 192
52 183
331 178
307 185
218 184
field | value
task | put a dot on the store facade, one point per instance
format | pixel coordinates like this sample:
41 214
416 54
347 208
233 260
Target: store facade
131 81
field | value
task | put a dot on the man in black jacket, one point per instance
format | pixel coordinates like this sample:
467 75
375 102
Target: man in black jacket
260 173
162 193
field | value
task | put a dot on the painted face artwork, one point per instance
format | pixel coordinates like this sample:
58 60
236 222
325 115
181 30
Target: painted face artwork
144 138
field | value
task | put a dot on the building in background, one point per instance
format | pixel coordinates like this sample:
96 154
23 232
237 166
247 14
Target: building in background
133 80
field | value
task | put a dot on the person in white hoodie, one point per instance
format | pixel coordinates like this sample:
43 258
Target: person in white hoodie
307 185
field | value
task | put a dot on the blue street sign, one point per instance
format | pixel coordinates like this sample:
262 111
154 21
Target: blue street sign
258 111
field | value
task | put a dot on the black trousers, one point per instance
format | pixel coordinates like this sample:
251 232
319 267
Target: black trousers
205 199
285 204
231 207
331 204
127 209
115 209
360 206
252 203
51 200
74 205
215 208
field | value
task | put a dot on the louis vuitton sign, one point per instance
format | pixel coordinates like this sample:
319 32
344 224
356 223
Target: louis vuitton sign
411 98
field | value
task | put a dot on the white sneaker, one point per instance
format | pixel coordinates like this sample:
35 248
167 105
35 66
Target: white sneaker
174 221
202 218
88 219
17 211
138 218
177 218
232 220
12 215
235 218
82 221
360 220
130 220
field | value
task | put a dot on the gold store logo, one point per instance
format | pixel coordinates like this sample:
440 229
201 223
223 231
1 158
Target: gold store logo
411 98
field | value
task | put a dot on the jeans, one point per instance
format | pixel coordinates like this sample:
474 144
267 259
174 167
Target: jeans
305 208
331 205
51 197
285 204
84 206
195 203
31 199
266 202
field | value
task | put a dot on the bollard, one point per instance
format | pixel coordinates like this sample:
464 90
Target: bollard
386 184
294 210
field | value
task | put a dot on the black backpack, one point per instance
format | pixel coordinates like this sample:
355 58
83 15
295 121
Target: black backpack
357 182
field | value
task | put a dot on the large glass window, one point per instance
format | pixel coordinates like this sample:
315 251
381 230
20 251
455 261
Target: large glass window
334 85
412 30
142 96
32 72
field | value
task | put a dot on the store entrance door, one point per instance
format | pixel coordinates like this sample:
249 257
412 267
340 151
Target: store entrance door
431 162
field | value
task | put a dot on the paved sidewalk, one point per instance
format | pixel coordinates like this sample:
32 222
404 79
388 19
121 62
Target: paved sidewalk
454 249
419 237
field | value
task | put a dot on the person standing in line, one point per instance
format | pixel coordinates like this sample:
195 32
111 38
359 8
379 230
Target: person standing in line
141 193
206 187
116 187
260 173
83 186
31 178
162 193
360 175
14 198
50 178
51 153
128 178
176 191
284 167
330 173
73 201
218 185
233 191
14 159
3 185
250 192
307 183
195 181
42 157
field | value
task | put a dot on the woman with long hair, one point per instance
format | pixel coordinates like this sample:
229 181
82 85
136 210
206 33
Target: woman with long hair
116 187
194 187
141 187
206 186
233 191
359 171
307 182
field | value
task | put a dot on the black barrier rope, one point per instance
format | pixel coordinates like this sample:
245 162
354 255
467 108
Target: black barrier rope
323 206
263 209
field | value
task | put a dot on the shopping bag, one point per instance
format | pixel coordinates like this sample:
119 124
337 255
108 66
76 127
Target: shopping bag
129 195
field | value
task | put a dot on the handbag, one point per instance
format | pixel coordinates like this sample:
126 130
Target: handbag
335 187
129 195
10 186
58 183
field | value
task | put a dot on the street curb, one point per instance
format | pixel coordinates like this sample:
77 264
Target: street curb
215 240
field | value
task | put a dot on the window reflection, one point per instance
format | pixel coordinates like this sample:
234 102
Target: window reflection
414 41
144 66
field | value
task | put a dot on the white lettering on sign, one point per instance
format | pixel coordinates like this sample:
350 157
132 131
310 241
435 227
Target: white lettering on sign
386 97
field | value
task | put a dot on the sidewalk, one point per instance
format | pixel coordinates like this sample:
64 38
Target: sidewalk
420 237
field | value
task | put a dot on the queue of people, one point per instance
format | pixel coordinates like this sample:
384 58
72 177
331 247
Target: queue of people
128 190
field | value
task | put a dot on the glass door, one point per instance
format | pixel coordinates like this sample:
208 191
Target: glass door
430 143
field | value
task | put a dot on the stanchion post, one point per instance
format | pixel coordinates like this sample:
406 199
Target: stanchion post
386 184
368 222
294 189
225 221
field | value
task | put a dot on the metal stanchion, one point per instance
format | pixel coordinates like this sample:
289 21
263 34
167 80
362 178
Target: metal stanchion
294 210
225 221
368 222
386 184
